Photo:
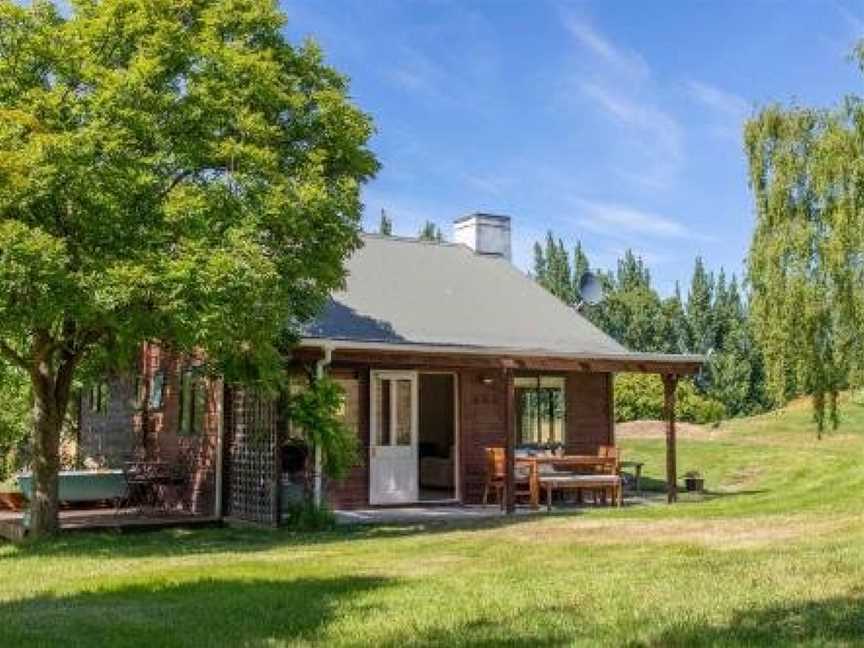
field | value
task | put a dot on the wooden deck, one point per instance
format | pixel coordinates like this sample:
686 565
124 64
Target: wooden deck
11 527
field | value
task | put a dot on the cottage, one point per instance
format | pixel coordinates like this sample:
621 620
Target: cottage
443 349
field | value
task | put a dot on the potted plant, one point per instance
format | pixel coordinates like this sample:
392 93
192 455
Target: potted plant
694 482
11 498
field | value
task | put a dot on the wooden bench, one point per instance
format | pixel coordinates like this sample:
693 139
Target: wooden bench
603 478
609 485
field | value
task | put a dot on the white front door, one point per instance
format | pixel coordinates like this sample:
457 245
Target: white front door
393 444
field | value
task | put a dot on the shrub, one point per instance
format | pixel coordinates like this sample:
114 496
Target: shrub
305 516
317 411
640 397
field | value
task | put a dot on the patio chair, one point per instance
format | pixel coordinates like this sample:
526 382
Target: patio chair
138 487
496 472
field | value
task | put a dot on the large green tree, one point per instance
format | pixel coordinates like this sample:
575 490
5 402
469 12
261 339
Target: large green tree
168 169
805 264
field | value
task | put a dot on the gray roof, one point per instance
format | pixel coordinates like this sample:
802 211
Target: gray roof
406 291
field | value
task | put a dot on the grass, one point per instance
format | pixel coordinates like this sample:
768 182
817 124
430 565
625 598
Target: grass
773 554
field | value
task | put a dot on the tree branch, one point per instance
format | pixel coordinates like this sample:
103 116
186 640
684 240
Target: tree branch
13 356
176 180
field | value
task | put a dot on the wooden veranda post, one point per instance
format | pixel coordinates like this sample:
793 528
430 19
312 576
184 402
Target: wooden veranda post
670 384
510 446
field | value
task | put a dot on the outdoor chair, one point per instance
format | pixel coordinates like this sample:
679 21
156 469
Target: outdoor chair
152 485
496 472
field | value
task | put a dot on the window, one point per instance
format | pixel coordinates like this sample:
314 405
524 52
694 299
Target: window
157 385
394 407
193 402
97 397
540 410
137 398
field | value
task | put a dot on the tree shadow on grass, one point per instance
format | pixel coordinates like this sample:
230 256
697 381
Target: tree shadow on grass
198 541
834 621
658 487
200 613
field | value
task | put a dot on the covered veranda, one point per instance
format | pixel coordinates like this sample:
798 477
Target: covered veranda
670 368
487 395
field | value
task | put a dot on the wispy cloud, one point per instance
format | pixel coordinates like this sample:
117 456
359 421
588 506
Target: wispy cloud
415 72
727 110
637 115
623 221
650 146
854 22
655 138
488 183
624 61
718 100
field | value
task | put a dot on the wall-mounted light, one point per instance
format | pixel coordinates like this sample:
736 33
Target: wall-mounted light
487 380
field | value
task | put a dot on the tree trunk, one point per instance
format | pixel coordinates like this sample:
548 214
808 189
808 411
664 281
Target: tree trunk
51 390
47 420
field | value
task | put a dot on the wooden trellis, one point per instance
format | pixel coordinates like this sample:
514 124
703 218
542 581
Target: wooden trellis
254 470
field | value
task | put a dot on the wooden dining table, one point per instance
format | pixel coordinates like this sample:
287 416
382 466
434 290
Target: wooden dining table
573 462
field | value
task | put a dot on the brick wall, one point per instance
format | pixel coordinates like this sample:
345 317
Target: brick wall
353 491
109 438
159 428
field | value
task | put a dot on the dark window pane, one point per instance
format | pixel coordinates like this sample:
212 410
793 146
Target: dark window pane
186 403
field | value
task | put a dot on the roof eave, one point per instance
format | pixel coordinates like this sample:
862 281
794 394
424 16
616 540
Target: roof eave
627 361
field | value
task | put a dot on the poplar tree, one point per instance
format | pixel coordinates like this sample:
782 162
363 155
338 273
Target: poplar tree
700 299
430 232
804 265
385 225
580 267
539 270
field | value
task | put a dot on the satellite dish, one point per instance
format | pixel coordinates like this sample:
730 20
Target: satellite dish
590 289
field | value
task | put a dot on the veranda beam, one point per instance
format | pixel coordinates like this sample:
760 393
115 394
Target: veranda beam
510 447
670 384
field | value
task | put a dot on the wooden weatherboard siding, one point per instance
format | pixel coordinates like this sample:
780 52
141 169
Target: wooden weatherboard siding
590 421
482 423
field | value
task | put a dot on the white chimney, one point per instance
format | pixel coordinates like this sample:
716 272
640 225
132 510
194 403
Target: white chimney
484 233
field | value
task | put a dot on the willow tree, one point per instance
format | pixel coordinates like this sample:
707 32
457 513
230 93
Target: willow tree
168 169
806 260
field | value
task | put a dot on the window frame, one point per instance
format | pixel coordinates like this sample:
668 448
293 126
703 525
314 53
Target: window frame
98 397
547 419
191 402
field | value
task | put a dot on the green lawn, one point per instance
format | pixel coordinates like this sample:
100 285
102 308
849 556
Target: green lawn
772 555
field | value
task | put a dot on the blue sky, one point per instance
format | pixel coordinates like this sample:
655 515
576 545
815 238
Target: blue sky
616 123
